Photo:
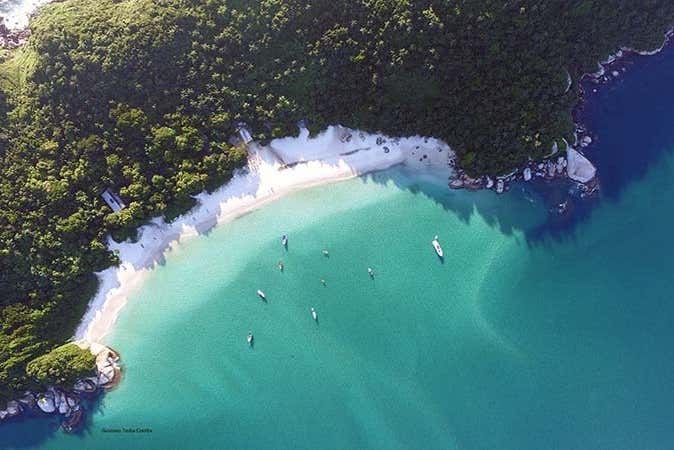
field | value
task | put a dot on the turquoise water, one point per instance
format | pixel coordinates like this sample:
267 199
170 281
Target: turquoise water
559 342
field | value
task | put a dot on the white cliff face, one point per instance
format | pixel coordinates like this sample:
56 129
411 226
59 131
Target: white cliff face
578 167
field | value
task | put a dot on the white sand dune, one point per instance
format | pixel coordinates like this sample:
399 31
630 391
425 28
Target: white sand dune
284 166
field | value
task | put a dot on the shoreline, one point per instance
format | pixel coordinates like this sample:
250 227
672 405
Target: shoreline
608 71
284 166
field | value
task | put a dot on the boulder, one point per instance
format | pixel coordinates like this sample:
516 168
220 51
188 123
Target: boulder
85 385
46 404
13 408
28 399
560 165
527 174
72 401
499 186
456 183
578 167
587 140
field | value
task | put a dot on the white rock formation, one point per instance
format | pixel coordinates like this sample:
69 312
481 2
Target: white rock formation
46 404
578 166
527 174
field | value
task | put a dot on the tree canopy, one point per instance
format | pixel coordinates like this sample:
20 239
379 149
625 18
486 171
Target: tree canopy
62 366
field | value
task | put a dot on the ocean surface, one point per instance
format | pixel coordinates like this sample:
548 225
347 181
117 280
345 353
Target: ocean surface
535 332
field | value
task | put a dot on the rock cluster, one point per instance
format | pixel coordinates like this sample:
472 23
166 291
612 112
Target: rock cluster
575 166
67 402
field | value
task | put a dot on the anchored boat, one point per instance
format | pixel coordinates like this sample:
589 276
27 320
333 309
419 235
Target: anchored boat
261 295
250 338
437 247
314 315
284 240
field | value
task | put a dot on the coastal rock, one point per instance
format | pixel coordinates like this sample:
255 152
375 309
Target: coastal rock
579 168
499 186
456 183
527 174
13 408
46 404
587 140
28 400
560 165
87 385
71 401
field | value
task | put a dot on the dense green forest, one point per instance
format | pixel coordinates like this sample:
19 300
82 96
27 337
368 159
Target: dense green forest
144 95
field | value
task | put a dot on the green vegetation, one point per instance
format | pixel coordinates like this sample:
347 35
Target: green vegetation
144 95
62 366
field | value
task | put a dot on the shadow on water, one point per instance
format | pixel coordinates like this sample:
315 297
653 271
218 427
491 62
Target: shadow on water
631 121
33 429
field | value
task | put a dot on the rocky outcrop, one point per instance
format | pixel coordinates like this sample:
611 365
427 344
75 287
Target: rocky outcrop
579 168
67 403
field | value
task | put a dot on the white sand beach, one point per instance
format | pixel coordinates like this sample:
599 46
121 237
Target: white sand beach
285 165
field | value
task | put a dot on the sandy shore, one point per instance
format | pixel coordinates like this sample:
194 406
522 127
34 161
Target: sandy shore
285 165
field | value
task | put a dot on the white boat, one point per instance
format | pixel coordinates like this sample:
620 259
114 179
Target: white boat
436 246
261 295
250 338
284 240
326 253
370 272
313 314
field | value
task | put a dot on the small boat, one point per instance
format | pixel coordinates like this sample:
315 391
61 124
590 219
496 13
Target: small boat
436 246
326 253
250 338
261 295
370 272
323 282
284 240
314 315
280 265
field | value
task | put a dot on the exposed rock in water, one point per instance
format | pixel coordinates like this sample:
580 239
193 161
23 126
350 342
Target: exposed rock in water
579 168
527 174
13 408
46 403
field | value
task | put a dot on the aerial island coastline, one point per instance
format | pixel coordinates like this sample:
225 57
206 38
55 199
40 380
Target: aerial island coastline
285 165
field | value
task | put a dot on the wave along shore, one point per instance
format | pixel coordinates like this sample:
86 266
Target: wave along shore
284 166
